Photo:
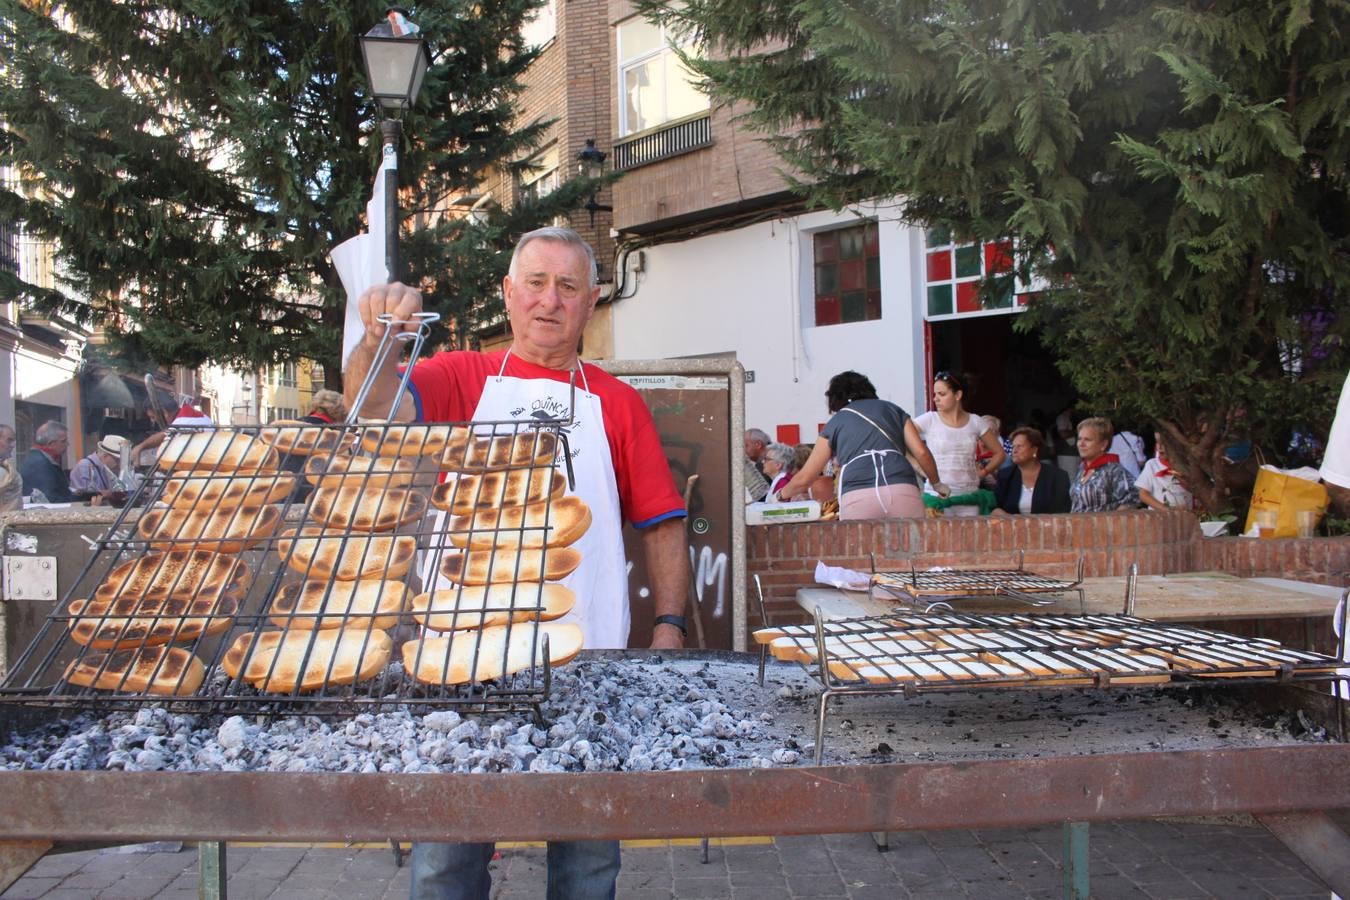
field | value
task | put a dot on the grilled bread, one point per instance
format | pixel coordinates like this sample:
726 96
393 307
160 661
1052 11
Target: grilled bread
324 555
567 519
353 509
466 494
217 451
405 440
375 473
481 606
162 670
284 661
466 451
303 438
177 573
132 622
223 531
369 603
468 656
226 491
509 565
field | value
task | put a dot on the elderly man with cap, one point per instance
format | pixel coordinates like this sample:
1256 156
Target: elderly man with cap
95 476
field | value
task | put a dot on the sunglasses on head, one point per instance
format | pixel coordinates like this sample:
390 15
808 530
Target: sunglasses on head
950 378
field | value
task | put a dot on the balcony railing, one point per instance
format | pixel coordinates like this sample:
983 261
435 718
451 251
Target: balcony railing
663 142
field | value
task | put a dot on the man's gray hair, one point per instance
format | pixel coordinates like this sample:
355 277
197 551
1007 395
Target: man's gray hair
49 431
558 235
758 434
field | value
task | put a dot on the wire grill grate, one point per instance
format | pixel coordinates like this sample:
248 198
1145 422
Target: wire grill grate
913 653
275 569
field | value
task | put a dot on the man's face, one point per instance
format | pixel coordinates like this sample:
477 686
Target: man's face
549 302
59 444
7 441
753 447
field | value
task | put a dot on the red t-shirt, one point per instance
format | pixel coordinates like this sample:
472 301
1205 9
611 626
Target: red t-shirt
446 388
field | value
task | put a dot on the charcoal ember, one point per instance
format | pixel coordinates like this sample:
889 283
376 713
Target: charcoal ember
443 721
563 729
785 757
232 733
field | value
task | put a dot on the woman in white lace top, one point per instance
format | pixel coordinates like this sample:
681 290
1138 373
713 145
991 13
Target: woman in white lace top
954 437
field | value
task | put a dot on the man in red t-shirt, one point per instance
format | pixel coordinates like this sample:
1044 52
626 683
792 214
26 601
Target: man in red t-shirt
619 469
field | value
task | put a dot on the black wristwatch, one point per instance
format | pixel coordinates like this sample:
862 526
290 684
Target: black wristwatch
679 622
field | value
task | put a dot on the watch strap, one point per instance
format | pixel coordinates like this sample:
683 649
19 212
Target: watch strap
679 622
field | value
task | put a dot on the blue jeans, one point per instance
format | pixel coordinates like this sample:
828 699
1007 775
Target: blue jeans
577 870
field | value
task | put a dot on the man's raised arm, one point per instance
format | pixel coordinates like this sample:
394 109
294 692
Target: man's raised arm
402 302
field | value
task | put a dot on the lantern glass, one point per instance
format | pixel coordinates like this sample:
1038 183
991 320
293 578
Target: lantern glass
395 67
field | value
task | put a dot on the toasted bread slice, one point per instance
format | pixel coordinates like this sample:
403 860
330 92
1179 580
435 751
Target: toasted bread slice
354 509
304 438
177 573
567 519
324 555
509 565
482 606
468 656
221 531
463 495
216 451
466 451
368 603
405 440
212 492
132 622
284 661
368 473
162 670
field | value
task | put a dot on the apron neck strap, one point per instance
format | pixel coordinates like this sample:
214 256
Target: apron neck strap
579 368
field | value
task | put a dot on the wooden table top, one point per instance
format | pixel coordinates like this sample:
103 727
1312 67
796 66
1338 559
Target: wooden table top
1189 596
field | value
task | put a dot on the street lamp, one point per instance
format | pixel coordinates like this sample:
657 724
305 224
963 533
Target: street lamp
591 164
396 60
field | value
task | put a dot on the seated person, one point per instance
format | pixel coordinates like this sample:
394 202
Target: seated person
1158 485
1101 483
778 462
1030 486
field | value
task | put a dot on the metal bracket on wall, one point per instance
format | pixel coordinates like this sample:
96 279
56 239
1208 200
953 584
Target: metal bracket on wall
30 578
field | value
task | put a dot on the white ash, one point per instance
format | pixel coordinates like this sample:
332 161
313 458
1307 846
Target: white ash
603 715
659 713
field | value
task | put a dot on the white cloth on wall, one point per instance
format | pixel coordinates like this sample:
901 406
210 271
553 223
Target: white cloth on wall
1336 459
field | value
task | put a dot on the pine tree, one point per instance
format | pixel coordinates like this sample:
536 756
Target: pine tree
1175 173
195 161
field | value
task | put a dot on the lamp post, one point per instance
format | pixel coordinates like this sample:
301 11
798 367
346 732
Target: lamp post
396 60
591 164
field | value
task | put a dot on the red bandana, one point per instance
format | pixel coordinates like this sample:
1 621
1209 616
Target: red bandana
1165 467
1100 461
318 415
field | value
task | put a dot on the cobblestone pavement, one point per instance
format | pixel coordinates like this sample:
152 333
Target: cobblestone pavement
1137 859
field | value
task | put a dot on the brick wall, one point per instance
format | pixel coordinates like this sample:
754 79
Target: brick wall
784 556
1320 560
570 83
738 166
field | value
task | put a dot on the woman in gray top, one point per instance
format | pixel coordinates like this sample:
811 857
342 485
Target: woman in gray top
868 438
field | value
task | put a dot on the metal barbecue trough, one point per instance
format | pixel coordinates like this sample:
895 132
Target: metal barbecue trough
312 539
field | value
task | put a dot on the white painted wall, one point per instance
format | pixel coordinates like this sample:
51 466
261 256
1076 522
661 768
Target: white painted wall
750 291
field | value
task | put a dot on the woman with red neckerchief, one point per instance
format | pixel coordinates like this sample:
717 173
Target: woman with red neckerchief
1159 487
1101 484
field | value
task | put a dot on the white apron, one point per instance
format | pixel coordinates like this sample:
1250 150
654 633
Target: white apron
601 581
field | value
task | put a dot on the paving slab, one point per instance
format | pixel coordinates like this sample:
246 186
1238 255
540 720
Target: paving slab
1171 859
